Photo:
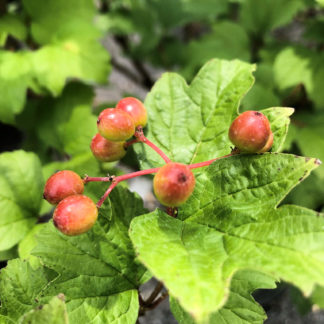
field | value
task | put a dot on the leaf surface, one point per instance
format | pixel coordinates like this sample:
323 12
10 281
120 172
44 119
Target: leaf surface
232 222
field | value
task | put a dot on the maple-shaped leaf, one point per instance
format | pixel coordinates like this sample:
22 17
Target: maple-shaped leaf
190 122
240 308
232 222
96 271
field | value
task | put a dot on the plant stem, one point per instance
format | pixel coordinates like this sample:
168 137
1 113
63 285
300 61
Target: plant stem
154 294
158 301
141 137
116 180
209 162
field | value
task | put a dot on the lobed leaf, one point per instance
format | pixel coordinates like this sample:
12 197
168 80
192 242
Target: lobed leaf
21 186
190 123
240 307
230 223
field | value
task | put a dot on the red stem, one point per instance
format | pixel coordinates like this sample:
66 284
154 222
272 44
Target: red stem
209 162
141 137
116 180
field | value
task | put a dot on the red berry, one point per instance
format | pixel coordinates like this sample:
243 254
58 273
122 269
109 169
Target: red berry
173 184
250 132
75 215
135 109
107 151
61 185
115 125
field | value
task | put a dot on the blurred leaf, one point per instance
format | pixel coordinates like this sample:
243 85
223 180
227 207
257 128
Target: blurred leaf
21 186
240 308
260 17
9 254
13 25
66 123
310 136
294 66
54 20
15 77
262 93
227 40
317 296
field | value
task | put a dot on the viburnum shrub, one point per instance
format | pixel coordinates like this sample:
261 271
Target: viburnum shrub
219 235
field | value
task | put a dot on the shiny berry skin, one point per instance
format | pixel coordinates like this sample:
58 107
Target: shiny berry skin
268 145
115 125
61 185
135 109
107 151
75 215
173 184
250 132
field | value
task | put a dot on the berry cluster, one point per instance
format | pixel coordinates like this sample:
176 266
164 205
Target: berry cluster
173 183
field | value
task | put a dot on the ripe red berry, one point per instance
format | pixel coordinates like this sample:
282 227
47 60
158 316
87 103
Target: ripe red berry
251 132
173 184
115 125
135 109
75 215
61 185
107 151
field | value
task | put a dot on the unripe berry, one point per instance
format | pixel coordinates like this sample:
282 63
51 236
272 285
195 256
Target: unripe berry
75 215
61 185
107 151
135 109
251 132
115 125
173 184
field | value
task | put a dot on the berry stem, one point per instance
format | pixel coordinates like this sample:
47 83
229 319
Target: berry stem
209 162
141 138
129 143
116 180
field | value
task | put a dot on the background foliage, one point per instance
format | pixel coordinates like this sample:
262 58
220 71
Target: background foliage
52 61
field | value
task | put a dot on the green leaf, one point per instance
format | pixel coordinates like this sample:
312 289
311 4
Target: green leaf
11 24
318 296
59 19
9 254
263 92
190 123
300 65
230 223
83 59
321 2
240 307
260 17
309 136
15 77
279 121
21 187
21 288
96 271
52 313
68 123
227 40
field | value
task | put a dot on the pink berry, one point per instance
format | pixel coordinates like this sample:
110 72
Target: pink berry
61 185
250 132
107 151
135 109
115 125
173 184
75 215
